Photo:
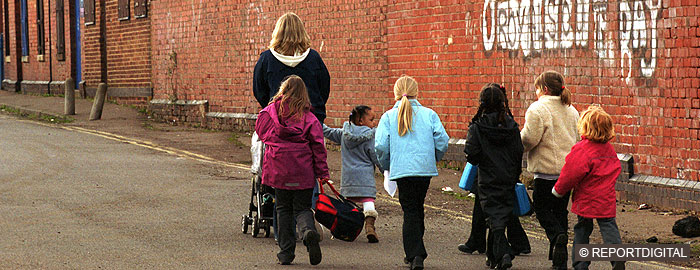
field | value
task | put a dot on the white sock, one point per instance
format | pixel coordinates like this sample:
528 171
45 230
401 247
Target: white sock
368 206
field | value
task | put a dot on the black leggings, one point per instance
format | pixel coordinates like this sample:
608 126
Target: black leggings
514 230
412 191
551 211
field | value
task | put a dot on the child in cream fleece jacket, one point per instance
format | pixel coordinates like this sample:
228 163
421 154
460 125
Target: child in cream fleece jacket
548 135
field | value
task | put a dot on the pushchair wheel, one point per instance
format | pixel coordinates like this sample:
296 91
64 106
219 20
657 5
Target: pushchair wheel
256 226
244 224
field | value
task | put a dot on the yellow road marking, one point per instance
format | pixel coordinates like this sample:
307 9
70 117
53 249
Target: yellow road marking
382 197
147 144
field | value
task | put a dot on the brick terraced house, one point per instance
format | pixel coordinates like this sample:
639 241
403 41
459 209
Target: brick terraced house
40 44
48 41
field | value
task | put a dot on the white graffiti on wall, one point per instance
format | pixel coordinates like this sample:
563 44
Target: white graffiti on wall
533 26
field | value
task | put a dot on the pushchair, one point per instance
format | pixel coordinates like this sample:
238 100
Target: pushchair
262 198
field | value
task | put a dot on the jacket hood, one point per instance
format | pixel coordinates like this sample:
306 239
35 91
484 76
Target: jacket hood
498 132
289 129
354 136
291 61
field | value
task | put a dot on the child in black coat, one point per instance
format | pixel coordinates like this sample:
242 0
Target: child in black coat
494 144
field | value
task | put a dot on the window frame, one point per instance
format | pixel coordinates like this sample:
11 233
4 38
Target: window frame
24 35
140 9
40 28
7 30
123 10
60 30
88 12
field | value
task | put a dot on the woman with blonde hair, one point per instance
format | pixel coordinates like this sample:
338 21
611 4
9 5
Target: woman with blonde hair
290 53
409 140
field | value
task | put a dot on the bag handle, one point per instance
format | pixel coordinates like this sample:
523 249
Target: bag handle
337 194
320 187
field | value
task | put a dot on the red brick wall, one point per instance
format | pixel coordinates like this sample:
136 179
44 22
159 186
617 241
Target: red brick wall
207 50
426 40
638 59
128 49
35 70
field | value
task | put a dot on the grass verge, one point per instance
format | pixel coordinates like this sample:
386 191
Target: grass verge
36 116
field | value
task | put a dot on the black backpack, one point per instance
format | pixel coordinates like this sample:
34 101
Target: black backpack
340 215
687 227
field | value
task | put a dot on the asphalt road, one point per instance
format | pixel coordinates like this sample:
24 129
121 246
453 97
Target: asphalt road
73 200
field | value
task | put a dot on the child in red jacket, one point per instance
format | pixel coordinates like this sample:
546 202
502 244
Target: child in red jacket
591 170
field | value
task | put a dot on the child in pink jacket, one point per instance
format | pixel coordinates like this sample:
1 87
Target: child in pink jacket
294 158
591 170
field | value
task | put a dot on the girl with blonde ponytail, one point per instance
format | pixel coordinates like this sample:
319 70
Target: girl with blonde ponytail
405 88
409 140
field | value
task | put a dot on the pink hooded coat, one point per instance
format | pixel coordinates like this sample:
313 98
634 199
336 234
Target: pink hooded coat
295 155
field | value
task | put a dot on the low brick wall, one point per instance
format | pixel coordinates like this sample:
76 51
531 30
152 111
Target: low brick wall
35 87
196 113
657 192
42 87
231 121
663 193
190 113
9 85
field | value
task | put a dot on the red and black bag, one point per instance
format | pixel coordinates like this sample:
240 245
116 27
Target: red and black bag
340 215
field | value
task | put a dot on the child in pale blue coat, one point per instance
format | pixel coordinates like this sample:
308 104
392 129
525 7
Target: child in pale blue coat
410 139
356 140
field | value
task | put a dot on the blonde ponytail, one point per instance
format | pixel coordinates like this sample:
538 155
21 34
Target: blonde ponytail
405 116
405 88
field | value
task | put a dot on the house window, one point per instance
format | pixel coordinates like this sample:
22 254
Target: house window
89 11
124 11
7 30
40 27
140 8
60 31
25 30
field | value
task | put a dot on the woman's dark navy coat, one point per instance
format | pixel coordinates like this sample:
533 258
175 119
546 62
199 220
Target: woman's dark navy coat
270 72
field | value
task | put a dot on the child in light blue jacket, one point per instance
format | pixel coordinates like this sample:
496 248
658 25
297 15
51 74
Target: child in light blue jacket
409 140
356 140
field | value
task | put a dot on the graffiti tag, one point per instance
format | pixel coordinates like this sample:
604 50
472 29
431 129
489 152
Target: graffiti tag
533 26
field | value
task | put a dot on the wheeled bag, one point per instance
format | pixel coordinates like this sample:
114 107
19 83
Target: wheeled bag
340 215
